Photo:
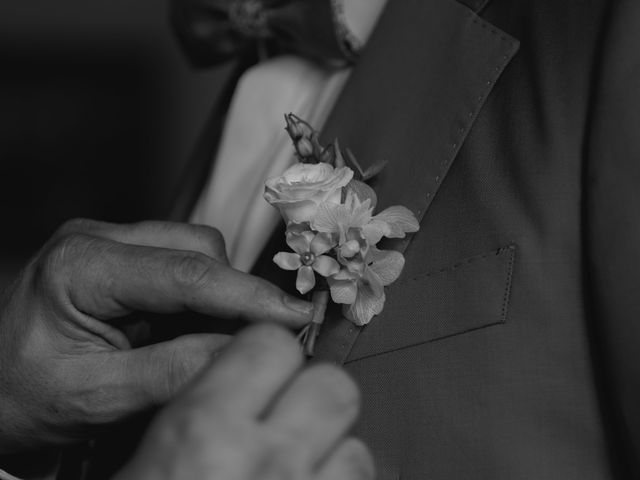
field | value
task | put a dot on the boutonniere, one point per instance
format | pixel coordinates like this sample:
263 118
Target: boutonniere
332 230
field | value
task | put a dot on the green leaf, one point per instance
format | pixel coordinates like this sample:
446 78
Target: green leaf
333 153
351 159
374 170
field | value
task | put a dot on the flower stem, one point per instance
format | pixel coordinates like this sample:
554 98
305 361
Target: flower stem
320 299
303 334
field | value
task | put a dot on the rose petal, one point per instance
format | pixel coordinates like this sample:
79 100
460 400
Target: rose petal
297 211
269 194
343 291
287 260
305 175
337 178
322 243
302 187
306 279
326 266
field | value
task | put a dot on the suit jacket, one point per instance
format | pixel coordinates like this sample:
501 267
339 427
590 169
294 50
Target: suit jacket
508 349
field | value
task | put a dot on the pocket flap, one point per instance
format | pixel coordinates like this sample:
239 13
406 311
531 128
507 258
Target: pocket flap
471 294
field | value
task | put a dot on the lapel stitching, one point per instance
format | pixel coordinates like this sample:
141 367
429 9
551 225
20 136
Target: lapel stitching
467 122
338 340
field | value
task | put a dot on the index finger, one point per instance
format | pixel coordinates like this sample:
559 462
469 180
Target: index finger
108 279
152 233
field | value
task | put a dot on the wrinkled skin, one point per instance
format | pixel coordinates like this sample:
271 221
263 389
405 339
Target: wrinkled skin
254 415
66 370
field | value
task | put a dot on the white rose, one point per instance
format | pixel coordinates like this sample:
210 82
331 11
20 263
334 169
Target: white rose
298 191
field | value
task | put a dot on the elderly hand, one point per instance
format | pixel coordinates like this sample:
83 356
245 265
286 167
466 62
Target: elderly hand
254 415
65 369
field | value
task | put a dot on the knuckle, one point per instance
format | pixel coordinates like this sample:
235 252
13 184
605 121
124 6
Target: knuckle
182 367
192 270
61 255
75 225
173 374
336 386
71 245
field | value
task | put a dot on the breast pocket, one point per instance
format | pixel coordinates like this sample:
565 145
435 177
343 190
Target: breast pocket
470 294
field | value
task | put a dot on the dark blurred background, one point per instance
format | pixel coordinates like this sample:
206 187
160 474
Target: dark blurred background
98 113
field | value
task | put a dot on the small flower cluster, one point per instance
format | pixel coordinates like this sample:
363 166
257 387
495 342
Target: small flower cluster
331 227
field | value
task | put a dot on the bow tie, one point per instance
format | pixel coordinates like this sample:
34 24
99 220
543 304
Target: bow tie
215 30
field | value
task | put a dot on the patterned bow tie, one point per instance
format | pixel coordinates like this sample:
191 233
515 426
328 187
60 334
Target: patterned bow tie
215 30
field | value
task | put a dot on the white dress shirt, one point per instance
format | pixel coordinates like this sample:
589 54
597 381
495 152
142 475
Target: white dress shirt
254 144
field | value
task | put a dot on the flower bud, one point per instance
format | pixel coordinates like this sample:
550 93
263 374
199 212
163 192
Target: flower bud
293 130
298 128
304 147
349 249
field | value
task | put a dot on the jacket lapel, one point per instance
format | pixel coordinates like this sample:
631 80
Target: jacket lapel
413 97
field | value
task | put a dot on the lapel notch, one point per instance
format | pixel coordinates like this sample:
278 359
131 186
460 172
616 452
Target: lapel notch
475 5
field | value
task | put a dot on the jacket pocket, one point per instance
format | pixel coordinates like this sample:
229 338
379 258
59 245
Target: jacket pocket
470 294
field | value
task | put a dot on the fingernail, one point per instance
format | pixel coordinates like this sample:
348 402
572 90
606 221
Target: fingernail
298 305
